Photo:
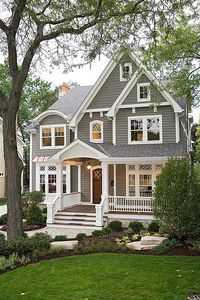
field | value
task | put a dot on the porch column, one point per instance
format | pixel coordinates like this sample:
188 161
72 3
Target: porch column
68 179
105 184
79 178
115 179
59 180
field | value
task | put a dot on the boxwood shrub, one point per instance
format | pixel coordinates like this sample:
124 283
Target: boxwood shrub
136 226
115 226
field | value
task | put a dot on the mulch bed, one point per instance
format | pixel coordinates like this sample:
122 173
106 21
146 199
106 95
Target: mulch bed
26 227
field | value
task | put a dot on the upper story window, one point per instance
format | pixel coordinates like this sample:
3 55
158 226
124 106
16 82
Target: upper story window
143 92
52 136
96 132
125 71
146 129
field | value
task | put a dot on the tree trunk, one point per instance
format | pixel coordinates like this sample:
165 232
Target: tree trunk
13 165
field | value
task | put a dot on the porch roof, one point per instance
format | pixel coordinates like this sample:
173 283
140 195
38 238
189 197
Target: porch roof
142 150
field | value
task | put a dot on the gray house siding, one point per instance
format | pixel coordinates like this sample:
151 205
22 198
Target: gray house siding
168 123
121 180
84 127
112 87
155 95
74 179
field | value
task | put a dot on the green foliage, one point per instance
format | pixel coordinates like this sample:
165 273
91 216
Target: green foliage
3 219
12 261
167 245
35 197
123 241
81 236
60 238
3 202
34 215
194 244
98 247
176 198
106 230
136 226
154 226
97 233
115 226
197 154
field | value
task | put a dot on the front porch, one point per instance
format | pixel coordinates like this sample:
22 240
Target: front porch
84 181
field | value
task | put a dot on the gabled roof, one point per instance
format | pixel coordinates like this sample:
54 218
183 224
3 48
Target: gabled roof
115 107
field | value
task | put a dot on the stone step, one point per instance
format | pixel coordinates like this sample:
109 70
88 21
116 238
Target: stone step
75 222
69 226
70 213
75 217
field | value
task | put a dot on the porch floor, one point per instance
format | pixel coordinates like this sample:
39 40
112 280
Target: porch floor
80 208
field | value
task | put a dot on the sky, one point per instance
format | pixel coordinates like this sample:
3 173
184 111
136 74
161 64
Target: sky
87 75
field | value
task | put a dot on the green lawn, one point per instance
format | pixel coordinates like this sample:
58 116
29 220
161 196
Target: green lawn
104 276
3 201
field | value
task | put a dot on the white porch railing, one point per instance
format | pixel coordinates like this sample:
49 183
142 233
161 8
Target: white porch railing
52 207
100 210
71 199
130 204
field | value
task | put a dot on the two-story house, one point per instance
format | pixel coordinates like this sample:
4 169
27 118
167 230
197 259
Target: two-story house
97 150
20 147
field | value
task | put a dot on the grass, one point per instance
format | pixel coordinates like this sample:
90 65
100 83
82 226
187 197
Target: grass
3 202
105 277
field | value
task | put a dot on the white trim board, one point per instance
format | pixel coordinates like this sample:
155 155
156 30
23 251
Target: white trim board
48 113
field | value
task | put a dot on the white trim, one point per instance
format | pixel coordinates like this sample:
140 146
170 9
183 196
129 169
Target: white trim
131 160
143 105
91 181
122 96
121 71
96 140
177 125
99 83
105 183
93 110
30 164
115 179
96 154
76 133
144 120
139 85
48 113
79 178
46 172
114 130
52 127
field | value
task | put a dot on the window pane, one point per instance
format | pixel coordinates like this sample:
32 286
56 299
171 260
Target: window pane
145 185
125 71
46 137
96 131
42 183
153 129
131 185
143 92
136 130
52 183
59 136
64 183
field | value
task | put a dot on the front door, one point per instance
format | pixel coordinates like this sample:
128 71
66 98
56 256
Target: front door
97 185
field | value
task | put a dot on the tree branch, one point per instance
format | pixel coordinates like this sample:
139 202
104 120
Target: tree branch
2 102
3 26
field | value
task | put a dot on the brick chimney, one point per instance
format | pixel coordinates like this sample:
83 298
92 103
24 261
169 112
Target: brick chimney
64 88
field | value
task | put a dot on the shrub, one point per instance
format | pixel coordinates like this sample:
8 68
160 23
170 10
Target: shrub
115 225
98 247
136 226
167 245
122 241
3 219
12 261
34 215
35 197
60 238
44 210
97 232
153 227
81 236
106 230
40 241
176 198
193 244
2 237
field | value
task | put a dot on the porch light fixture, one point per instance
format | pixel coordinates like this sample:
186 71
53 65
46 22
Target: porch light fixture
89 166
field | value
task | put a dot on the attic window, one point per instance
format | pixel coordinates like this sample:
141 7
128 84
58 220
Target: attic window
143 92
96 132
125 71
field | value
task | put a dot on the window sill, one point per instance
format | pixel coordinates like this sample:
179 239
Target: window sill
148 142
52 147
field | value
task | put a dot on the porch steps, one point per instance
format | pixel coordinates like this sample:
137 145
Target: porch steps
76 219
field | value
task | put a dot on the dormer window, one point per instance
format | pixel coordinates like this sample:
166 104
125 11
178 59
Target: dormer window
96 132
53 136
125 71
143 92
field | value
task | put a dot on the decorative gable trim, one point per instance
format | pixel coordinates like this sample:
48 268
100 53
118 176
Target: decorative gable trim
141 70
95 89
50 113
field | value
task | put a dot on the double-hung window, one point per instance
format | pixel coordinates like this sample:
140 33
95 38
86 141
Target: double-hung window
52 136
143 92
146 129
125 71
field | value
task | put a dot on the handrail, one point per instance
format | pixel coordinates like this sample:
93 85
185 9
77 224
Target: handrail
52 208
100 210
130 204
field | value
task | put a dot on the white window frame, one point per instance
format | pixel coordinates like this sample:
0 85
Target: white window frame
46 172
145 133
130 71
52 127
91 125
139 85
